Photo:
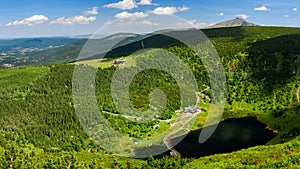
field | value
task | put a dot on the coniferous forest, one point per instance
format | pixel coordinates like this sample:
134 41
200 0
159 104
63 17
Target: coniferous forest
40 129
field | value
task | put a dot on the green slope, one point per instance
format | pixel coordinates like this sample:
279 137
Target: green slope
262 70
17 155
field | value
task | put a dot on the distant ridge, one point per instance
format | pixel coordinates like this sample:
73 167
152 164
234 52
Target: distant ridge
232 23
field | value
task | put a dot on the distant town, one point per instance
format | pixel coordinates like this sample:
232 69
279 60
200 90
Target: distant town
13 56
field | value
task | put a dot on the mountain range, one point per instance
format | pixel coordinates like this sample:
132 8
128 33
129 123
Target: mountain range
68 48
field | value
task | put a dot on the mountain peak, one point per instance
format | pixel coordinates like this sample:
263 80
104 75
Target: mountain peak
237 18
232 23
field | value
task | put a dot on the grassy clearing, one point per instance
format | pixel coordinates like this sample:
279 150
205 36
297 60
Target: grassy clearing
18 77
107 62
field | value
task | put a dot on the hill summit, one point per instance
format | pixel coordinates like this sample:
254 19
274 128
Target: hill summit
232 23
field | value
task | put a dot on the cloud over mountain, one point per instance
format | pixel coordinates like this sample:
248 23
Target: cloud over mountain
169 10
126 15
243 16
74 20
33 20
262 8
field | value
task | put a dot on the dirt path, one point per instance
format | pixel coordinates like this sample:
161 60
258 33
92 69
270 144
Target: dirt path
133 117
178 126
125 116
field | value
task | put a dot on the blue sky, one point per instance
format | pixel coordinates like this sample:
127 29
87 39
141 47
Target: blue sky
40 18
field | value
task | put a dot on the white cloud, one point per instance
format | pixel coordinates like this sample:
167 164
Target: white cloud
286 16
221 14
165 10
196 24
146 22
262 8
145 2
74 20
124 5
126 15
169 10
183 8
138 23
35 19
93 11
188 24
295 9
243 16
84 19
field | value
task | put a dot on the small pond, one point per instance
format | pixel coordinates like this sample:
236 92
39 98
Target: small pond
231 135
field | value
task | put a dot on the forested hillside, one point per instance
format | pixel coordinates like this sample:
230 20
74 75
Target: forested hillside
39 126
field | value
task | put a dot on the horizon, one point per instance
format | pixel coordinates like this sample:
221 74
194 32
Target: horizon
42 19
87 36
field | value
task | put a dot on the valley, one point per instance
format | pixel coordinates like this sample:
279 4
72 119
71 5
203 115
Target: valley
40 127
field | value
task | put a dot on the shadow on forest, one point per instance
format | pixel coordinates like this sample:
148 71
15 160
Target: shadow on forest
274 61
158 40
163 41
155 41
236 33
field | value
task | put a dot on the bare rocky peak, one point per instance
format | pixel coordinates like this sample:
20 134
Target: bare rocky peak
232 23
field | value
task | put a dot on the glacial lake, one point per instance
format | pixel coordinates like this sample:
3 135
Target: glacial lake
230 135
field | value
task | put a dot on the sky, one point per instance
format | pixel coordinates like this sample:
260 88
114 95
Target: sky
44 18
